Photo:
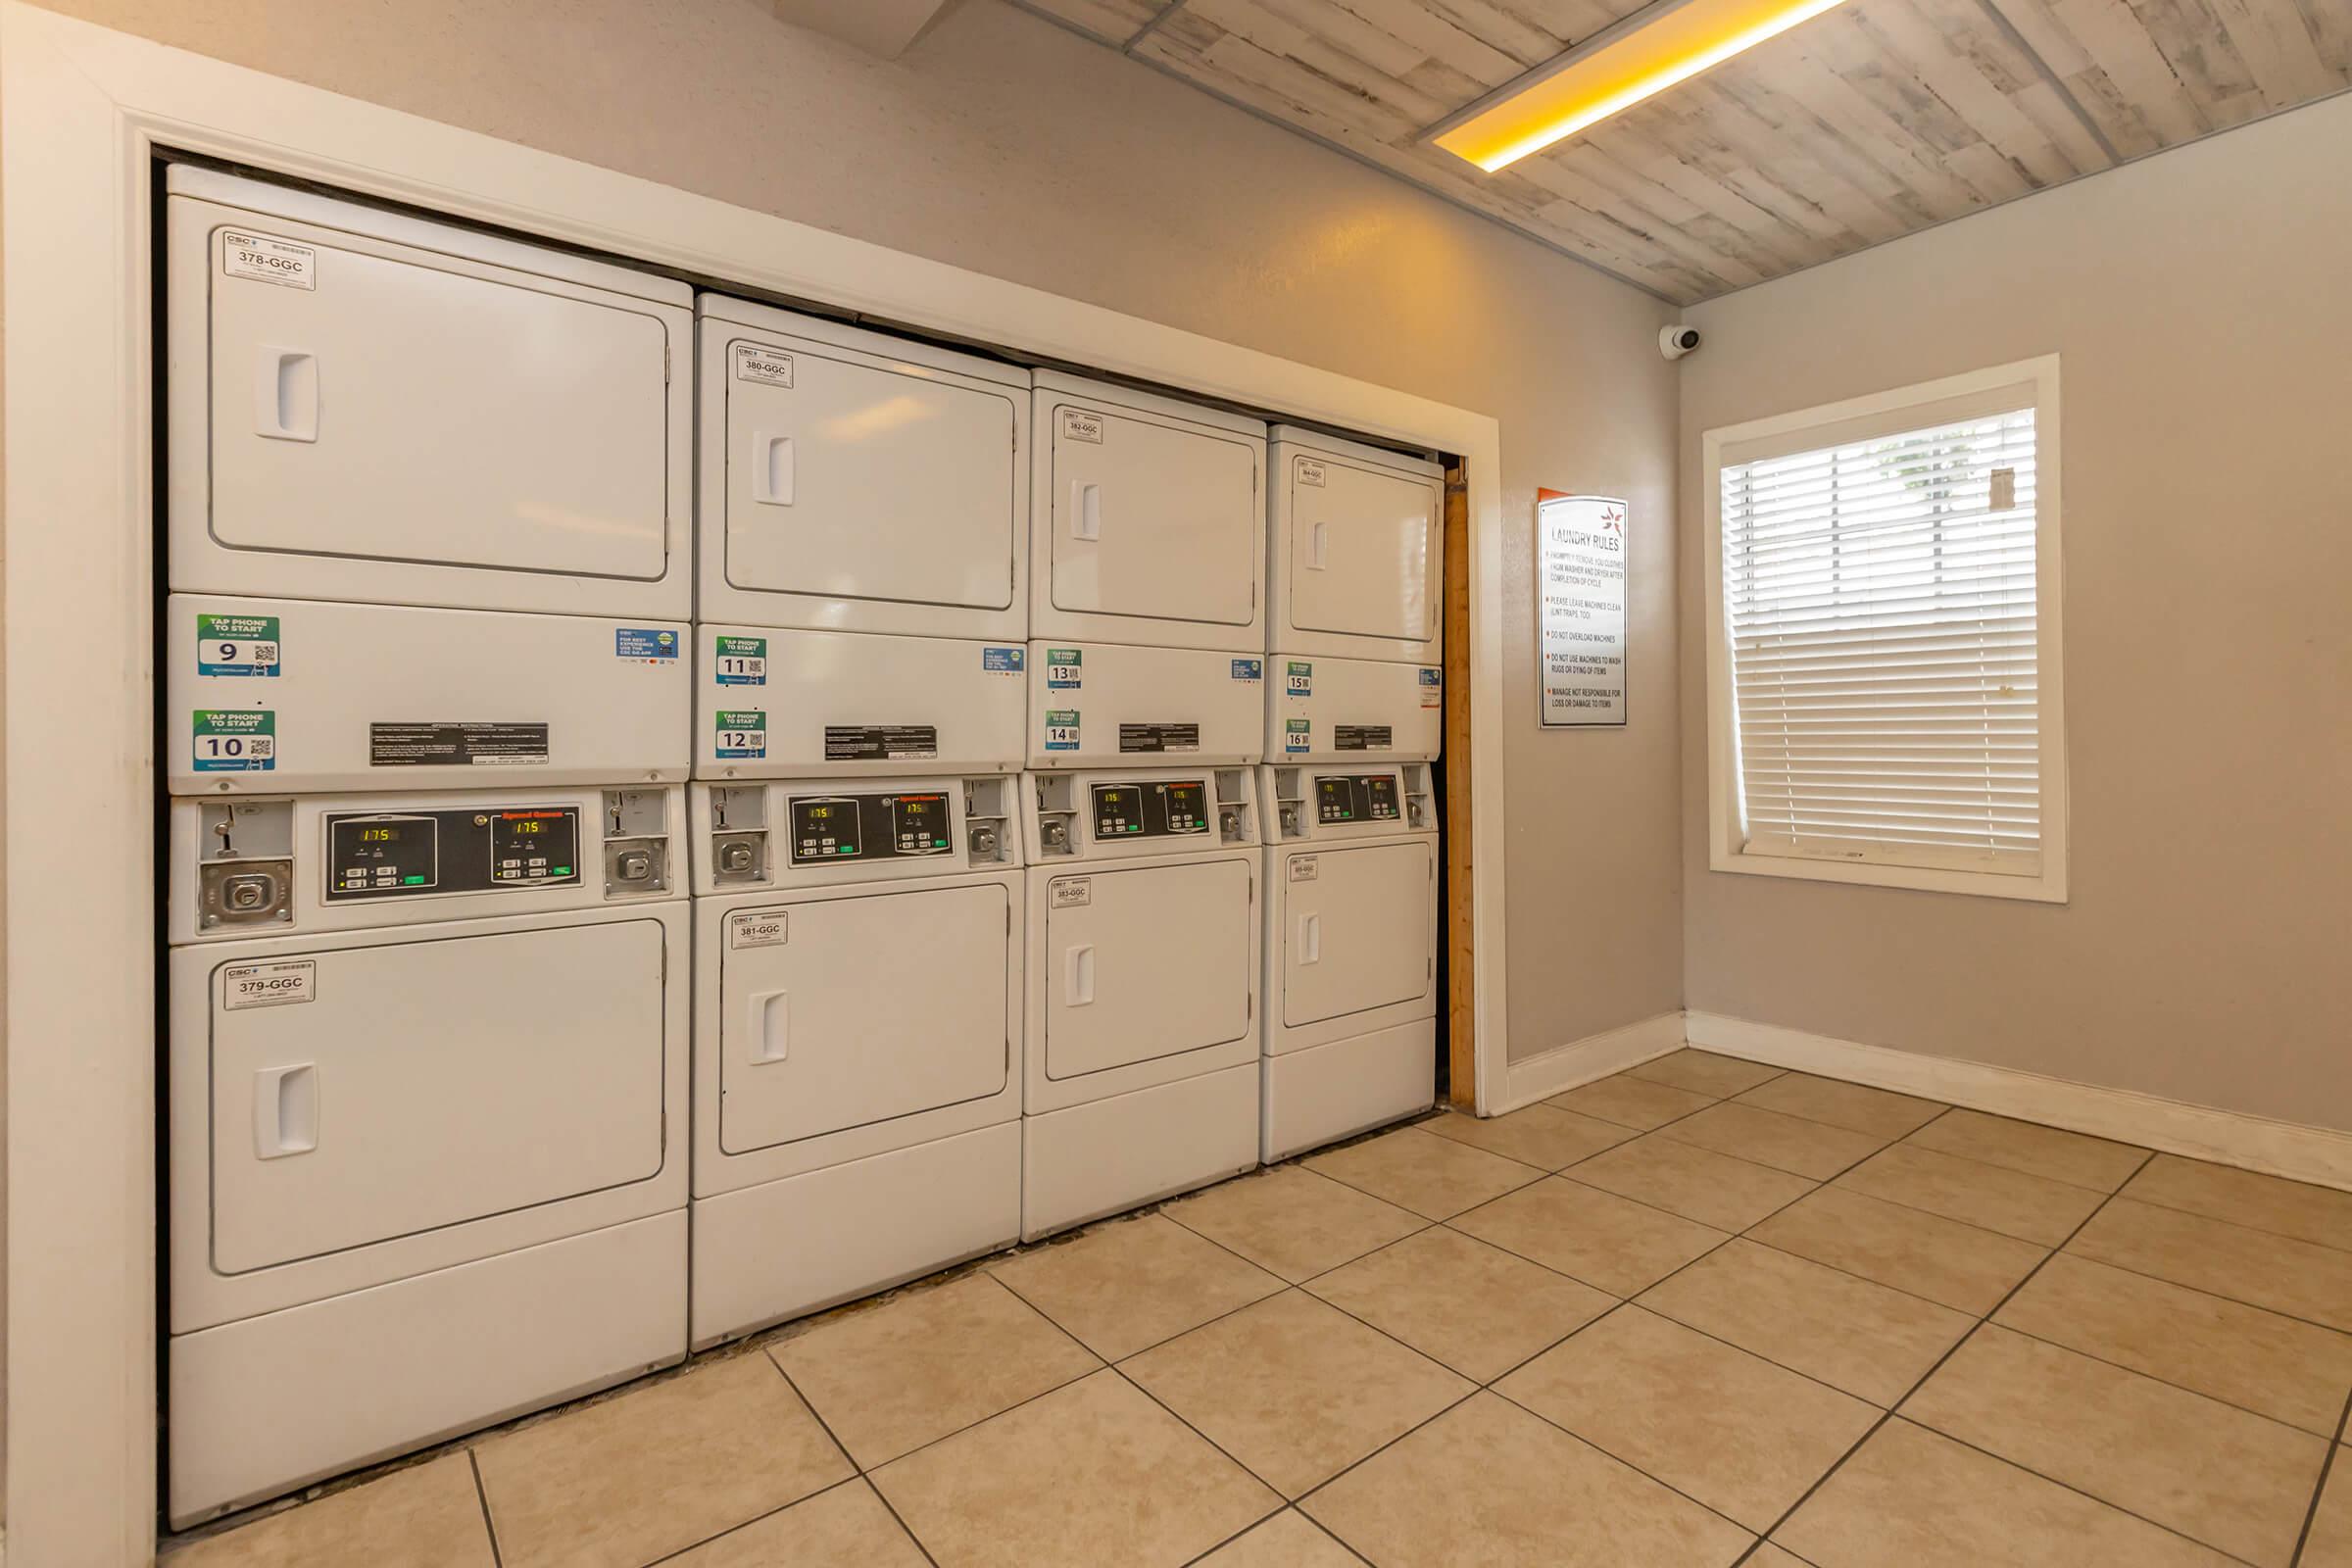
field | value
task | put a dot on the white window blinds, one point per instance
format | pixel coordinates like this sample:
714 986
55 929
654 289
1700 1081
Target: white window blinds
1878 609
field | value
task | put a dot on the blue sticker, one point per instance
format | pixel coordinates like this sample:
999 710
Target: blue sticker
1429 677
644 642
1248 670
1003 660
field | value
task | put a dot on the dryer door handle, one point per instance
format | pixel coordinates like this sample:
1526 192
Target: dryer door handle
285 1110
1085 510
285 394
768 1021
771 468
1310 939
1078 976
1318 547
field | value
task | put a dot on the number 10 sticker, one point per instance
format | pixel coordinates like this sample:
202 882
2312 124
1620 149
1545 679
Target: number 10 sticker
235 741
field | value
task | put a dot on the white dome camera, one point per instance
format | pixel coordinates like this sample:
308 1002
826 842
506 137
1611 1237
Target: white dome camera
1677 340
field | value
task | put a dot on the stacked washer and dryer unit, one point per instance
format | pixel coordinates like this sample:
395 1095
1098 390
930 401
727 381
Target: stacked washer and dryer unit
476 553
859 929
1354 720
424 737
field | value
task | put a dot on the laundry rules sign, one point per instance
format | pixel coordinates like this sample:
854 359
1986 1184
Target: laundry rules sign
1580 613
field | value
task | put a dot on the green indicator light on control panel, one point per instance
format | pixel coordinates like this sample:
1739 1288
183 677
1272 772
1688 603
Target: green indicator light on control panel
413 881
939 844
563 870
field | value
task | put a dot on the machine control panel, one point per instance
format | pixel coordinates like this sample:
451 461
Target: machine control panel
828 830
377 854
1357 797
1158 809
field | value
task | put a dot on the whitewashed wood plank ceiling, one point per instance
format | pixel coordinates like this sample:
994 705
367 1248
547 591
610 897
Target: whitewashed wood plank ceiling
1876 120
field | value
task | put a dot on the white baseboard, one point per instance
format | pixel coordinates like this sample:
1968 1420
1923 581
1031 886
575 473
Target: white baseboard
1595 1056
2228 1137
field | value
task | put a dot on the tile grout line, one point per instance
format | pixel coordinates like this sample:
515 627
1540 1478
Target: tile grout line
1889 1412
849 1480
2311 1515
481 1494
858 1472
2259 1230
2235 1300
2155 1377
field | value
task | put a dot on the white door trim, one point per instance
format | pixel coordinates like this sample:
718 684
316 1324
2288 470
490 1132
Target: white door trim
81 109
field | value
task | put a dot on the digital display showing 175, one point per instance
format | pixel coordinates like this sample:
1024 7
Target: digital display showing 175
829 829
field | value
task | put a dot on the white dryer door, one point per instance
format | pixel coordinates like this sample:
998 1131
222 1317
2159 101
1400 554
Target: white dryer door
1365 547
1356 934
409 406
1146 963
852 477
841 1012
427 1083
1152 518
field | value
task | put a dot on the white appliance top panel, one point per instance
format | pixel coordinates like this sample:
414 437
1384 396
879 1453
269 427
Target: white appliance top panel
1154 509
371 407
1359 537
860 469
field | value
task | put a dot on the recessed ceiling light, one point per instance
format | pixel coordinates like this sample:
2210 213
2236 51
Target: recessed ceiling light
1650 51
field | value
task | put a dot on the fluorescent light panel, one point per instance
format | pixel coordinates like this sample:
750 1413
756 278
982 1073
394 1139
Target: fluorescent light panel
1618 69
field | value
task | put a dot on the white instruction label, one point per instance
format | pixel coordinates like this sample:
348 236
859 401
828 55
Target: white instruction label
1072 891
1304 869
757 928
765 365
268 985
268 261
1079 426
1311 472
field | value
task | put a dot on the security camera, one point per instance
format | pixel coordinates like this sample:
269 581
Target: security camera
1677 340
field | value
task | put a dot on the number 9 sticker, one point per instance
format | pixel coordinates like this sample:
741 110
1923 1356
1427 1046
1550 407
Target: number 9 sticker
238 645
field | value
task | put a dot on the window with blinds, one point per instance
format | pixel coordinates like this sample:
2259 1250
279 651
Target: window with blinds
1879 617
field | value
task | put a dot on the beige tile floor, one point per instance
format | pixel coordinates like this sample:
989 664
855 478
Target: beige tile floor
1701 1313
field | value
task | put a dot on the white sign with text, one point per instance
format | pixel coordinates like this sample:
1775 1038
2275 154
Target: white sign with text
1580 610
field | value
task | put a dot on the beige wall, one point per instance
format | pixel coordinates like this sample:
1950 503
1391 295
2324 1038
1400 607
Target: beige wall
1006 145
2199 307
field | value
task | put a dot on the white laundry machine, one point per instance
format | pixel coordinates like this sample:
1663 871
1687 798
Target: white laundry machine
1351 950
428 501
1146 608
1356 551
1143 988
426 1088
857 982
864 555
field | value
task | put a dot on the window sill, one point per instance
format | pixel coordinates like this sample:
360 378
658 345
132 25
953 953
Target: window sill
2049 886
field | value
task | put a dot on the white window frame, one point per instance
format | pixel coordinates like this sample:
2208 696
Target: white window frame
1827 426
